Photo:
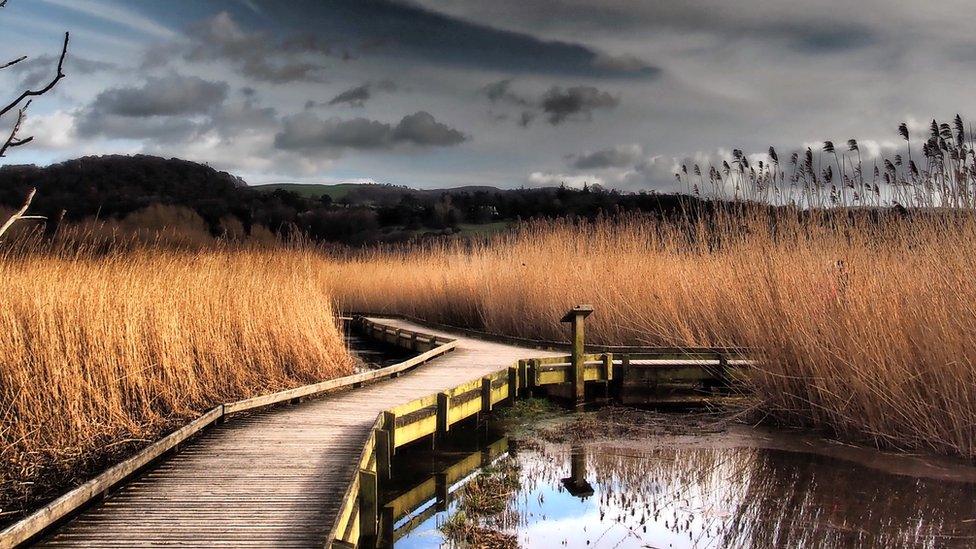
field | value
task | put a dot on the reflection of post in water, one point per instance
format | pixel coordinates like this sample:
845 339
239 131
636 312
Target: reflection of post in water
577 483
441 490
433 491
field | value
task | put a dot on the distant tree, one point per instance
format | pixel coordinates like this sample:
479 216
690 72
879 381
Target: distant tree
19 107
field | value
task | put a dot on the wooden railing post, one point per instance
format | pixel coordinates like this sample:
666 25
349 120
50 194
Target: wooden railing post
486 394
386 446
368 506
575 316
443 412
513 379
384 453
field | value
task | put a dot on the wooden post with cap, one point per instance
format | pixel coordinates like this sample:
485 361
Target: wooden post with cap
575 316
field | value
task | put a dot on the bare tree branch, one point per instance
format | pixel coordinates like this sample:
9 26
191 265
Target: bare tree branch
21 214
34 93
22 103
12 63
12 140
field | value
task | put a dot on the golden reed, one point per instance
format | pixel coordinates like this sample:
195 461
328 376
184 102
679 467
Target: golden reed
864 322
97 350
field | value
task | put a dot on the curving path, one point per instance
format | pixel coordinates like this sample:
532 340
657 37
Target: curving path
274 478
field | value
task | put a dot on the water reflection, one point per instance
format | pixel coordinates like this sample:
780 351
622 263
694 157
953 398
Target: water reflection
618 494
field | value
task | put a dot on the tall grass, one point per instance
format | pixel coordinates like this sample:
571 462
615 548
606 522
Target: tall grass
864 322
99 349
934 168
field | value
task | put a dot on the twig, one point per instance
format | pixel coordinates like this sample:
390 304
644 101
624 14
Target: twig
34 93
14 62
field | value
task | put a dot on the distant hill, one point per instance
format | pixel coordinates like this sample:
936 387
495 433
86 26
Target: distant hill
113 186
147 192
310 190
369 193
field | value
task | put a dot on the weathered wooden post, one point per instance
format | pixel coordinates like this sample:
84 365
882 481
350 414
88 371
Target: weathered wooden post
443 413
368 506
576 316
513 381
485 394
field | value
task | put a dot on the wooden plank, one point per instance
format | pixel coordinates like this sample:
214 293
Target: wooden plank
51 513
417 430
338 383
553 375
460 412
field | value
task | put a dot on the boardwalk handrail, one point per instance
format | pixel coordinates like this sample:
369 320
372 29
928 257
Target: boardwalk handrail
97 487
553 345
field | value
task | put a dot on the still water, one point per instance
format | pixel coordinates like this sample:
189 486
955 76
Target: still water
371 354
740 487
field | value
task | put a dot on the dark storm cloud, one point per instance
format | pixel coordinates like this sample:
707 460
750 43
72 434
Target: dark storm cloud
228 121
837 38
422 129
616 157
357 96
404 29
165 129
557 104
162 96
560 105
37 70
309 133
500 92
256 55
167 109
232 119
814 28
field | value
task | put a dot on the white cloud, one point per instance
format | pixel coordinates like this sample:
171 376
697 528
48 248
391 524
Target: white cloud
117 15
549 179
55 130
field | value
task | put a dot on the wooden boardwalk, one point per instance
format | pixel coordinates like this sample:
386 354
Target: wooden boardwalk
275 478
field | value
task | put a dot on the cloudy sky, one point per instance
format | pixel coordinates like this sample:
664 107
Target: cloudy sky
511 93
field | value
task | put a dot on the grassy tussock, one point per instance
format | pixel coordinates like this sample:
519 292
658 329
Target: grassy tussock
864 324
100 349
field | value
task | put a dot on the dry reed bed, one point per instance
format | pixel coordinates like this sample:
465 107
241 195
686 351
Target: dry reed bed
99 349
865 326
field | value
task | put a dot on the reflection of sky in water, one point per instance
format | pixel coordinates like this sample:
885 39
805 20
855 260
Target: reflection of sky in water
739 497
